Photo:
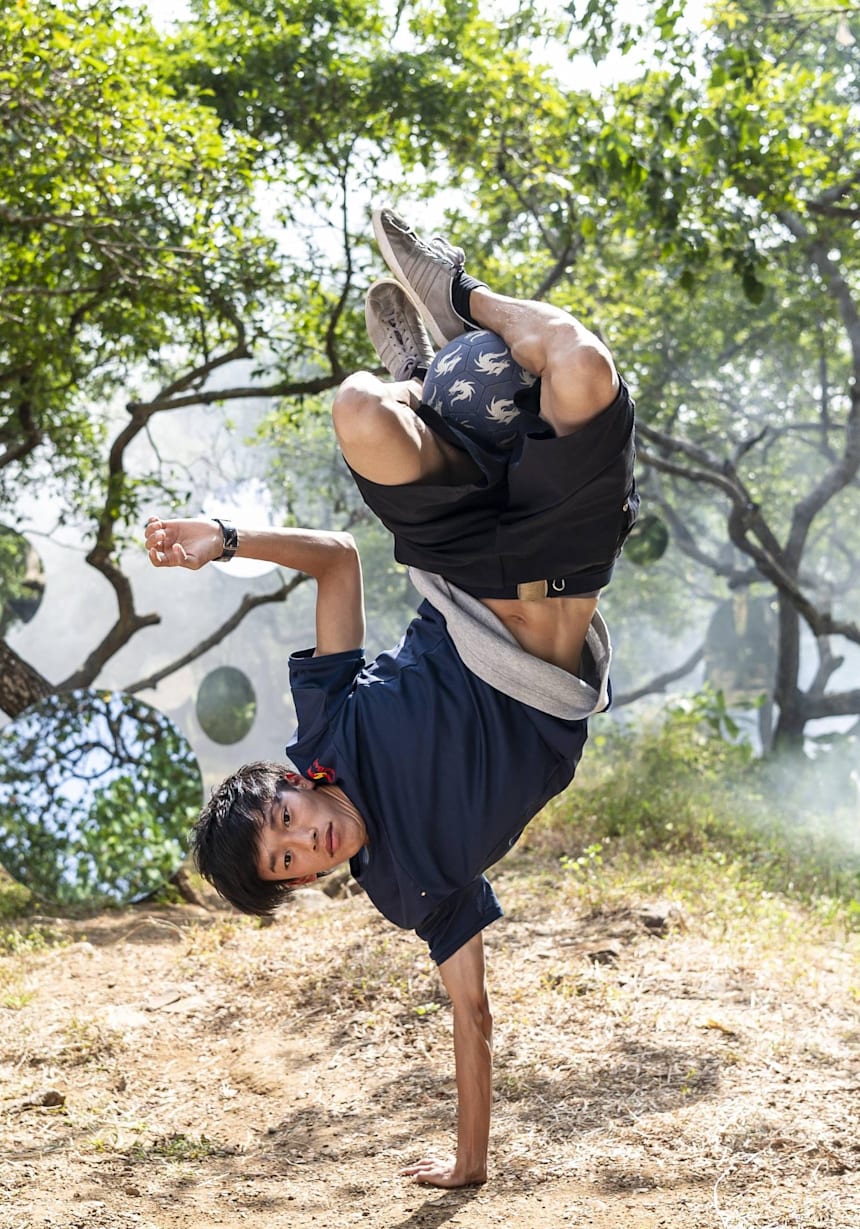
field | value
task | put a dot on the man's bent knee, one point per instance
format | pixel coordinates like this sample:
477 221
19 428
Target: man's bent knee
356 407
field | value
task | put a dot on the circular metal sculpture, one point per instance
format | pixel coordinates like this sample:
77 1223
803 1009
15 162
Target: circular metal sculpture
22 579
97 791
226 705
647 541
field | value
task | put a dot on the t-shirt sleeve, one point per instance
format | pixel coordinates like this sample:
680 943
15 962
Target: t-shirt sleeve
320 685
459 918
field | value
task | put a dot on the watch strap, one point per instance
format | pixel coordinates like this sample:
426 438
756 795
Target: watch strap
230 538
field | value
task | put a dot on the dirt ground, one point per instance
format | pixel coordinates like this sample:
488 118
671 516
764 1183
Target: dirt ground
656 1065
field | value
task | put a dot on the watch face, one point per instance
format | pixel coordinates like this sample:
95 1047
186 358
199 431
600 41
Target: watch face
235 501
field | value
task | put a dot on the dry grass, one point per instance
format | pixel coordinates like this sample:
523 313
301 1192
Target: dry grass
673 1049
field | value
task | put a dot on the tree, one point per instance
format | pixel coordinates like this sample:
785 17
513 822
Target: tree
699 212
761 179
132 259
702 214
129 254
134 264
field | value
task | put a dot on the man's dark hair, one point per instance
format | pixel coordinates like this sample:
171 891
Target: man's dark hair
224 841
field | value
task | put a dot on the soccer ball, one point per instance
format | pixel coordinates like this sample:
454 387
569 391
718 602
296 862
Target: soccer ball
472 383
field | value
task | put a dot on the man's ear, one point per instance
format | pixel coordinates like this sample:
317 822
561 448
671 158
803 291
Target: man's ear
297 782
302 882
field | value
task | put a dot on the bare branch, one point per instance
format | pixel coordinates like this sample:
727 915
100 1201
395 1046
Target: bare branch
744 446
846 467
844 212
678 470
248 603
662 681
687 543
820 622
48 292
745 518
197 376
833 704
672 443
127 624
837 192
32 437
828 664
100 557
286 388
839 287
826 204
339 307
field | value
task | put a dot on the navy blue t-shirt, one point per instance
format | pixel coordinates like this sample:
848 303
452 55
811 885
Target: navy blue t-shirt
445 770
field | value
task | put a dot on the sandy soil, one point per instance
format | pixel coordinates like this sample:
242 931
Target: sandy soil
656 1066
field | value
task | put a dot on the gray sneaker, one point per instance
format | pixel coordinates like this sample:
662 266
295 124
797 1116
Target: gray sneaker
426 269
396 330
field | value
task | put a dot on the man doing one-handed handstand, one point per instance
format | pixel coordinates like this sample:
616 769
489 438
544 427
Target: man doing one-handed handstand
422 768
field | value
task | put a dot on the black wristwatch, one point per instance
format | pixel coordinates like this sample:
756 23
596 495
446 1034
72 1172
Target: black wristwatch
230 538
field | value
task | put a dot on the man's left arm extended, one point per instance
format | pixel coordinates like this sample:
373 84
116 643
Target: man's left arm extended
331 558
464 977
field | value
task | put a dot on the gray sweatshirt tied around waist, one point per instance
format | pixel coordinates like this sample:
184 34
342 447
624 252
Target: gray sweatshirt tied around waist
491 652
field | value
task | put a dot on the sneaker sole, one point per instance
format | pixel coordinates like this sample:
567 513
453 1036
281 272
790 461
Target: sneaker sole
404 290
390 258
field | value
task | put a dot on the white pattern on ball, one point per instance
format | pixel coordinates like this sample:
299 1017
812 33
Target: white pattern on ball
472 383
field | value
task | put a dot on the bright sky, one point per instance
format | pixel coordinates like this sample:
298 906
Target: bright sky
587 75
166 11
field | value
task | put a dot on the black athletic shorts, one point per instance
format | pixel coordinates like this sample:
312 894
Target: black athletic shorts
554 511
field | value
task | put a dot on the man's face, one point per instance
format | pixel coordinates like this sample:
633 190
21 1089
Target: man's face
306 830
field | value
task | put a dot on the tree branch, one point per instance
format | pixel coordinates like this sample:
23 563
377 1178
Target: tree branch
735 578
845 469
745 518
833 704
248 603
826 204
31 439
559 269
339 307
286 388
828 664
127 625
662 681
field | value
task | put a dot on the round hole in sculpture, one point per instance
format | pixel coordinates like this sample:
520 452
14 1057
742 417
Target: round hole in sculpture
22 579
647 541
97 792
226 705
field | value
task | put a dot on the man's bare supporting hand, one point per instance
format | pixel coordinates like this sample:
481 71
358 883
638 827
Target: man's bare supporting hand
331 558
465 981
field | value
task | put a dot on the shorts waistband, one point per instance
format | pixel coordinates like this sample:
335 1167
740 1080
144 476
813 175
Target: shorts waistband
579 584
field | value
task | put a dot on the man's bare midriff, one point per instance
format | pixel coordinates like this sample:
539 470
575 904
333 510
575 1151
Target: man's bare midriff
552 629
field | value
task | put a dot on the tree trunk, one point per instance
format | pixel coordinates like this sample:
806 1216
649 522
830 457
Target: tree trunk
20 684
789 699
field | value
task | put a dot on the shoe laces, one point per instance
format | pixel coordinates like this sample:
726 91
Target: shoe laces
441 249
438 247
394 331
398 342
